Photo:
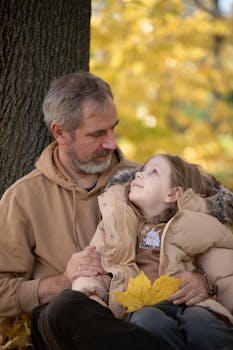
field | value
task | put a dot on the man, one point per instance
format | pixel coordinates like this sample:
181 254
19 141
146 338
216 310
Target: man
48 217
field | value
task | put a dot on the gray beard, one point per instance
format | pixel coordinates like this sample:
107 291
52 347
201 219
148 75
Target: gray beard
92 167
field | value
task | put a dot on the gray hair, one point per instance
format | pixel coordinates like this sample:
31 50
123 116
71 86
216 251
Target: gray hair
63 102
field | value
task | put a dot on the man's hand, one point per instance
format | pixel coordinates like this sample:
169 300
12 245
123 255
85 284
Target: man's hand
193 289
84 263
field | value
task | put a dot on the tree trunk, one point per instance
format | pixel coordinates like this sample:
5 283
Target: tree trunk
40 40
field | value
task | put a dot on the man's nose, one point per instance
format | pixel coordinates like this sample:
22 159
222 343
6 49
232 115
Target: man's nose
109 141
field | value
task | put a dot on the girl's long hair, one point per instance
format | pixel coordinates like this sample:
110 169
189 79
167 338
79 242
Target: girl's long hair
190 175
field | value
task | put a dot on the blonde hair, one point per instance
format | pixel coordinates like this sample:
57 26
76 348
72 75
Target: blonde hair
190 175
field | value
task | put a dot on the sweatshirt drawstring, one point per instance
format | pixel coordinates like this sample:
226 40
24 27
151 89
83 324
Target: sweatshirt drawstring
74 217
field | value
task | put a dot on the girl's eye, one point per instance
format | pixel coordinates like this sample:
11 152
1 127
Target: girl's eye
154 171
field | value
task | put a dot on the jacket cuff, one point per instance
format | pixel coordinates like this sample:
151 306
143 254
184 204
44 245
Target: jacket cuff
27 295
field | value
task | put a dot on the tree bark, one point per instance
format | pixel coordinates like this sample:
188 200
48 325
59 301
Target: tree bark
40 40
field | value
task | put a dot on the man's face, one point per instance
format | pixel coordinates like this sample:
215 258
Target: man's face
91 145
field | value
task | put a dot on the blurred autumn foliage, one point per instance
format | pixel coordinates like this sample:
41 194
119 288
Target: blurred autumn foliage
170 65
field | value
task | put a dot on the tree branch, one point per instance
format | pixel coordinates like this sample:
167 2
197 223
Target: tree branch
215 12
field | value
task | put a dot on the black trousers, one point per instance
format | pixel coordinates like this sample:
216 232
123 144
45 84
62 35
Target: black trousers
73 321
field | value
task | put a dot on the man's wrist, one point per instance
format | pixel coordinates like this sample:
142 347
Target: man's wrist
51 286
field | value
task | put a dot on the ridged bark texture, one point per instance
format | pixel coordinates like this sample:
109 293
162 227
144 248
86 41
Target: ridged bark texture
39 40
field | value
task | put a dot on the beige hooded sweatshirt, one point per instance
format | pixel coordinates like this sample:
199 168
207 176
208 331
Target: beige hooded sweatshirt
44 219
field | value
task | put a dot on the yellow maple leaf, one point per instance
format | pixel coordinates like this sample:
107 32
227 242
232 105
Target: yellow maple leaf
140 292
136 294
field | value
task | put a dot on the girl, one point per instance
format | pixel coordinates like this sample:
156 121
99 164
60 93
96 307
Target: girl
165 214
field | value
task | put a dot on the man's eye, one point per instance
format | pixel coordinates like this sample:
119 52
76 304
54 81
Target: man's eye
154 171
98 134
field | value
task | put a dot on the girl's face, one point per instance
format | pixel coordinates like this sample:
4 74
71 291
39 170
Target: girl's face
151 190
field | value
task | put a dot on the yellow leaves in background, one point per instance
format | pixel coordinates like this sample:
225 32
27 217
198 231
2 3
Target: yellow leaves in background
174 59
140 292
15 332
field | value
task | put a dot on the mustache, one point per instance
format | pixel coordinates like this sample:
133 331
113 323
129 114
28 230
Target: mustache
102 153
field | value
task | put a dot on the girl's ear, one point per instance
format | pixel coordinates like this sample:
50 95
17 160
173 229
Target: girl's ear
173 195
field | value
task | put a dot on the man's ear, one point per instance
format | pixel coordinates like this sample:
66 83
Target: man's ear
60 135
173 195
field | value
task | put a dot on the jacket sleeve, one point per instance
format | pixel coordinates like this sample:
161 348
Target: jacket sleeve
200 236
100 284
218 265
187 235
18 292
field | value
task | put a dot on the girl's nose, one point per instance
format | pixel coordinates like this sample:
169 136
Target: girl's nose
139 174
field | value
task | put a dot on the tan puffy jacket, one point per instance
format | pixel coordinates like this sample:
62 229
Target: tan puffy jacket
116 239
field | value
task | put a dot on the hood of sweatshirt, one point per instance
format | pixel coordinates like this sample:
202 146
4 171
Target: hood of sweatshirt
46 164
